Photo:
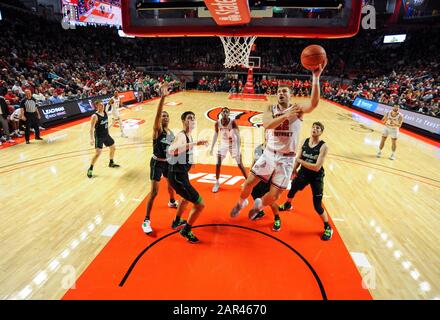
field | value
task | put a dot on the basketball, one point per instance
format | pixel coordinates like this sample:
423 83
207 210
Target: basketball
312 56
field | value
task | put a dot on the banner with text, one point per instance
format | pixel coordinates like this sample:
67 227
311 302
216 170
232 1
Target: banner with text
414 119
65 111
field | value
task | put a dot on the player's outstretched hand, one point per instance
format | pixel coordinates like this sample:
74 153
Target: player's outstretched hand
321 68
165 89
202 143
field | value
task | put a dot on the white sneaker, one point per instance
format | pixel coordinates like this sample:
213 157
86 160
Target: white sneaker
392 156
146 227
10 140
174 204
123 135
42 128
379 154
236 210
258 205
216 187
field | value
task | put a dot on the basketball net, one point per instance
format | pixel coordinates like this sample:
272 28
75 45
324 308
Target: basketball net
237 50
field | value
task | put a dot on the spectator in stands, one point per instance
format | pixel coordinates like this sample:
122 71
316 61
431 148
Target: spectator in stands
55 98
14 121
4 115
38 96
13 99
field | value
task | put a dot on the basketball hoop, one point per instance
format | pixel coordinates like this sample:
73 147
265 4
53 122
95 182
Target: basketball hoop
237 50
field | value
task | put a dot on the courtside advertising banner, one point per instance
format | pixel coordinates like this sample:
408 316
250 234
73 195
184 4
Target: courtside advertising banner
418 120
127 97
229 12
66 111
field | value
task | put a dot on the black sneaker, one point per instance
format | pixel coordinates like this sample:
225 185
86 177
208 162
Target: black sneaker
189 236
285 207
90 173
39 138
177 224
327 235
113 165
276 225
27 142
258 216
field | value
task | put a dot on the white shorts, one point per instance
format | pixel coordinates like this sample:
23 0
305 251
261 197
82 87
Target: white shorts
274 168
115 113
392 132
232 148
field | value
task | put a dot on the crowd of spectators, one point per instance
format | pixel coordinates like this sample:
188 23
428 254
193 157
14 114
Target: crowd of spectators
262 85
415 90
55 66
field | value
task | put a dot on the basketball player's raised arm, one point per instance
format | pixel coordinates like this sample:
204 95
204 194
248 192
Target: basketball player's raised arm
316 91
214 139
318 165
269 122
92 128
157 125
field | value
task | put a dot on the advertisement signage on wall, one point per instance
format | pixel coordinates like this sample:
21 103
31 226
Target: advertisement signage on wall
127 97
65 111
68 110
414 119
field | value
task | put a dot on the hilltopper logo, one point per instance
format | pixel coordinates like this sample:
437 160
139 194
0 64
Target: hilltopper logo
243 118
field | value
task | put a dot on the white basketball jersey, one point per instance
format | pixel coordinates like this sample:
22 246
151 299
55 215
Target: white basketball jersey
285 137
393 121
112 107
115 104
226 132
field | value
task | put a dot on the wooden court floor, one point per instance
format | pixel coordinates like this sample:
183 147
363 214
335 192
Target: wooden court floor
55 221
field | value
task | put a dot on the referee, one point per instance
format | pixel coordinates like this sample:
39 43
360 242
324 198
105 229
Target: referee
30 114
